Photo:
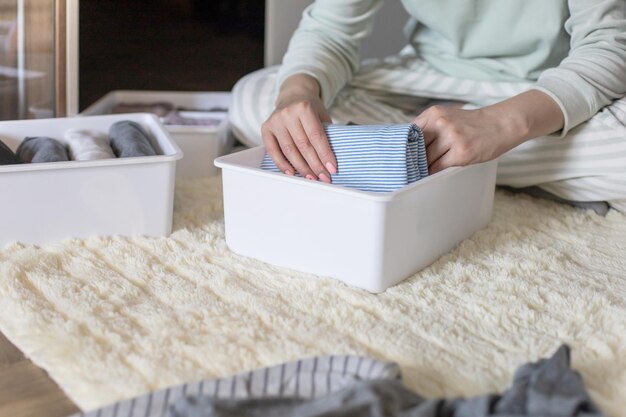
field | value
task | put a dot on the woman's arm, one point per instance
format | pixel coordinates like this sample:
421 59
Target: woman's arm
322 56
294 136
591 77
594 72
327 42
457 137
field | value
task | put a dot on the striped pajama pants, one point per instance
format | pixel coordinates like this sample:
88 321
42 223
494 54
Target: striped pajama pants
588 164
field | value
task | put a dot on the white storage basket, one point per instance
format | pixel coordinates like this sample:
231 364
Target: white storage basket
50 201
200 144
365 239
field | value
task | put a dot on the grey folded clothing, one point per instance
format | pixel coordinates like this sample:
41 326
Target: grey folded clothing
356 386
160 108
204 119
545 388
7 157
41 149
128 139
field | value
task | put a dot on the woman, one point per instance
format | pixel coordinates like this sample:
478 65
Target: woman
543 82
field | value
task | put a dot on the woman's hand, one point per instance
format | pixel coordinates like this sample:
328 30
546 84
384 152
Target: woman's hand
457 137
293 134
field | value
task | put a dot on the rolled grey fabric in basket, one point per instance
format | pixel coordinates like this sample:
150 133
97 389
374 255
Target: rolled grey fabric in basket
128 139
7 157
41 149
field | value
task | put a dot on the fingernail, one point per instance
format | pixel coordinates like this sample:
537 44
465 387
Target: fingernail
288 172
324 178
310 177
331 168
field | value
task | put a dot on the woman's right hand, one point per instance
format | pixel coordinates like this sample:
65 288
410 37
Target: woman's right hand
293 134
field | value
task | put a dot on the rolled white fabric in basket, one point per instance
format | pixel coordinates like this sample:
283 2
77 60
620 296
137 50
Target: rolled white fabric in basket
87 145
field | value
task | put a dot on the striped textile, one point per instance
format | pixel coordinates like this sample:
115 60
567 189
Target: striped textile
305 379
377 158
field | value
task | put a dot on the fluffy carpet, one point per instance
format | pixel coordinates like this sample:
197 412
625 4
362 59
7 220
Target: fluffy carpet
112 317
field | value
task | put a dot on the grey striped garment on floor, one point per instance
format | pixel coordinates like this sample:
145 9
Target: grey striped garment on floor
307 378
379 158
361 387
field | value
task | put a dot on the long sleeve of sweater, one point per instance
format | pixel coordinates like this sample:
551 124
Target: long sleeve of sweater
327 41
594 72
582 80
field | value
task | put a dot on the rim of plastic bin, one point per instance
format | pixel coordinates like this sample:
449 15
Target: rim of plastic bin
116 96
225 162
176 155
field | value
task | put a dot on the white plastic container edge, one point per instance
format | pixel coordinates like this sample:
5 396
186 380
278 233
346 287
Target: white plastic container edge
200 144
365 239
48 202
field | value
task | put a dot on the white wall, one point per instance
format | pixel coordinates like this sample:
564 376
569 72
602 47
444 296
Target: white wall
282 18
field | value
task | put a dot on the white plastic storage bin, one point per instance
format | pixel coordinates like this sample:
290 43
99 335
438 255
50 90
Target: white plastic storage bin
365 239
47 202
201 145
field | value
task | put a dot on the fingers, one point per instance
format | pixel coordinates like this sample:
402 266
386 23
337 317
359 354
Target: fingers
445 161
436 149
307 150
422 121
317 136
274 151
292 153
296 141
435 125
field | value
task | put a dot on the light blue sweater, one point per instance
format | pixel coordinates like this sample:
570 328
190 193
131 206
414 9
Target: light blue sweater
575 50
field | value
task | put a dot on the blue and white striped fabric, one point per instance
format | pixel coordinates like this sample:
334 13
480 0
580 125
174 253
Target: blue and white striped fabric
379 158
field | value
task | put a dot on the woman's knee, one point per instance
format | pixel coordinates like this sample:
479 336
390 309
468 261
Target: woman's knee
253 99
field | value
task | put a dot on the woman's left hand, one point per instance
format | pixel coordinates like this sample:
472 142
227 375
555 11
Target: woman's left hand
457 137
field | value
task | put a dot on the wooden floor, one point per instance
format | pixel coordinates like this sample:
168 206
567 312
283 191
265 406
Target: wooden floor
26 390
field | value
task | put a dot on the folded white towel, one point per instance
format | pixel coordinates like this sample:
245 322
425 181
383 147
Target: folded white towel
88 145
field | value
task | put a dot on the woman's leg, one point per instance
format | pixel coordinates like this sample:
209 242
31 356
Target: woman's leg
589 164
254 96
253 101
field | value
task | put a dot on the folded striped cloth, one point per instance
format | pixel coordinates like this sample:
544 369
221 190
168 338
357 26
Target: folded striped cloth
379 158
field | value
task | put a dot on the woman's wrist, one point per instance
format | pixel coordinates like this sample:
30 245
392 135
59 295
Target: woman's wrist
299 85
512 123
526 116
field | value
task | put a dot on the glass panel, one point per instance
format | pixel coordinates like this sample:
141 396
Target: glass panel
26 59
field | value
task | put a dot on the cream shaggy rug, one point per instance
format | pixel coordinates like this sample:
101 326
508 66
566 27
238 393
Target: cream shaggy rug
109 318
